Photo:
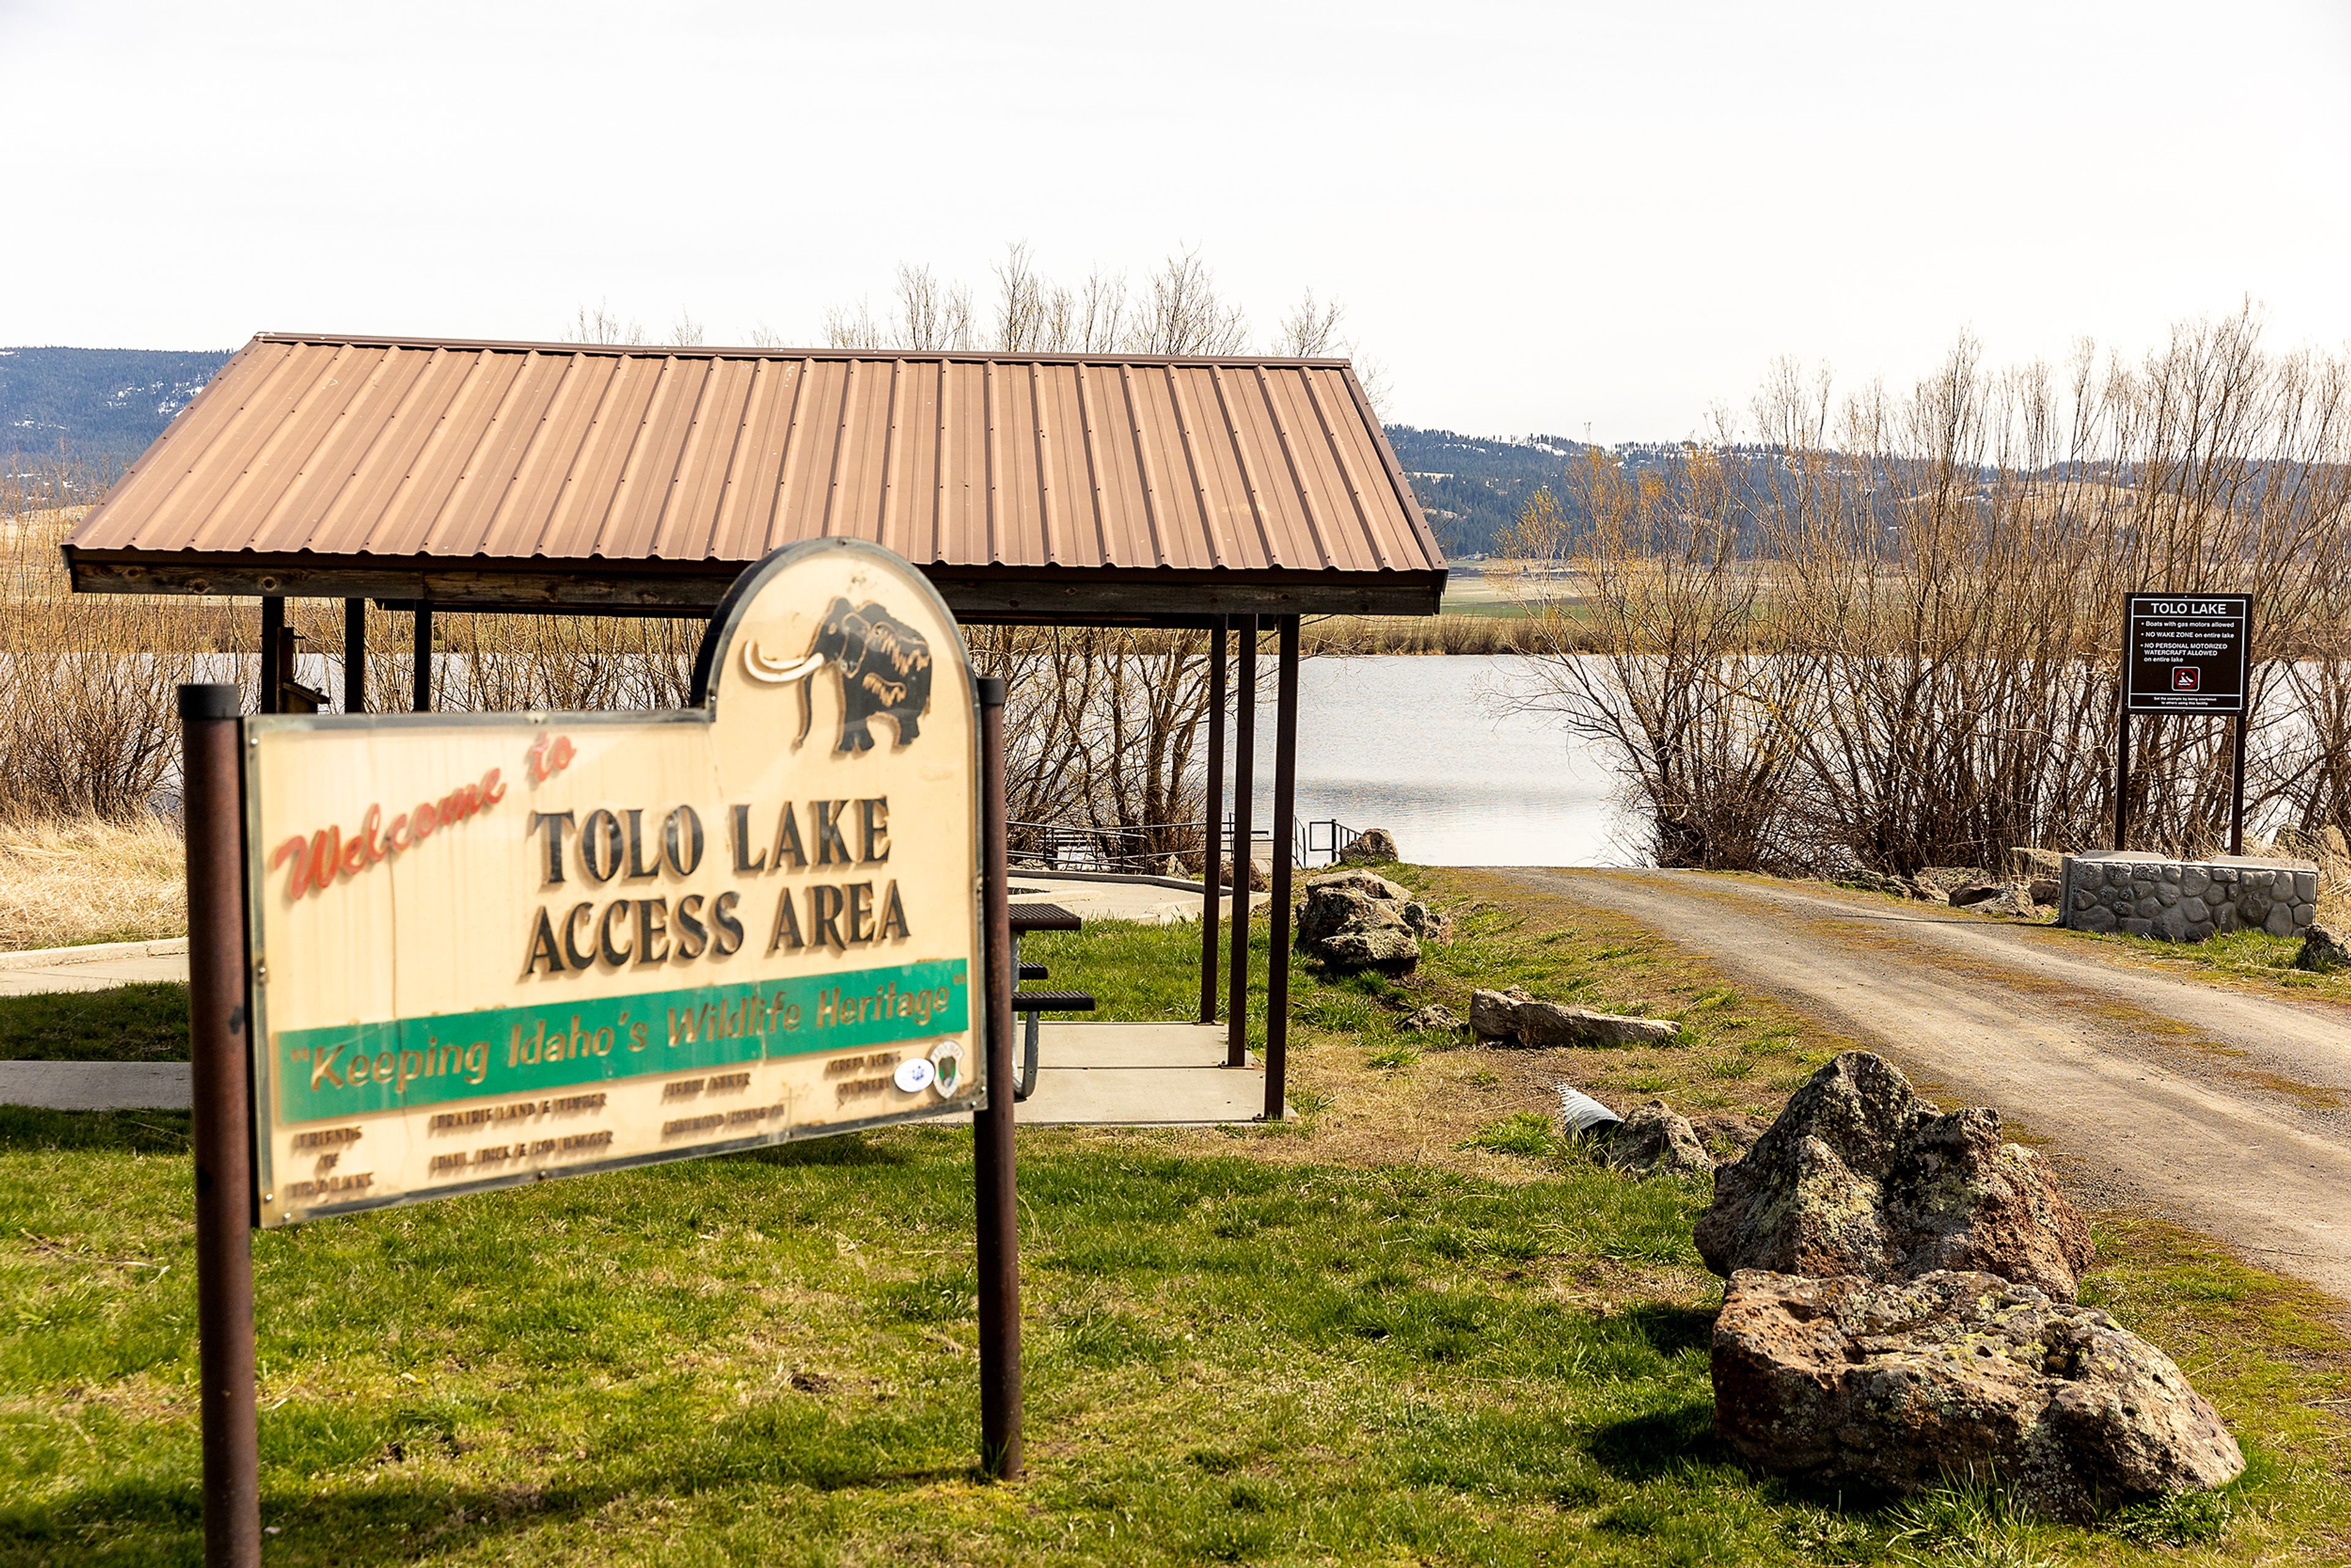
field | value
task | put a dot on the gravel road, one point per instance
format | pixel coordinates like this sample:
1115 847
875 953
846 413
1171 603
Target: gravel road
2223 1108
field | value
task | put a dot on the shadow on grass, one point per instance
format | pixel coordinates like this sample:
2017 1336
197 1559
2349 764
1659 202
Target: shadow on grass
145 1021
847 1149
385 1519
27 1130
1671 1328
1659 1443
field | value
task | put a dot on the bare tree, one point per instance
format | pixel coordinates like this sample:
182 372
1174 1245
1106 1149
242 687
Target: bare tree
931 316
688 332
1309 331
1184 314
596 324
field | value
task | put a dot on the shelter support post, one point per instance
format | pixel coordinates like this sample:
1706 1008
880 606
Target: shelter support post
1285 804
355 655
1000 1236
1212 824
271 698
222 1125
1244 847
422 676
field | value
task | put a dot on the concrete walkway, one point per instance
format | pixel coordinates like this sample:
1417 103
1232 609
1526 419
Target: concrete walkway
95 1085
1152 900
92 967
1139 1075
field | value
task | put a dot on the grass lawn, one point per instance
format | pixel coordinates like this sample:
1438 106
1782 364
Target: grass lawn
1408 1327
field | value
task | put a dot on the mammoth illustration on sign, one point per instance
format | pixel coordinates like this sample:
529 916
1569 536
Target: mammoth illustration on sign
884 667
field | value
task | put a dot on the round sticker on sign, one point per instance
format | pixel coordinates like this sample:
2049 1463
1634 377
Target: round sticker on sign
913 1075
946 1068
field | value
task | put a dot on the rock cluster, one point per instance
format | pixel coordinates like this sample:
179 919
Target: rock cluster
1901 1311
1373 846
1952 1373
2188 901
1860 1176
1513 1018
1892 886
2009 898
1355 919
1434 1019
2324 948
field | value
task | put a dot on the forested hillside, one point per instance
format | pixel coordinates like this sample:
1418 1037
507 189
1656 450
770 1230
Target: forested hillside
98 403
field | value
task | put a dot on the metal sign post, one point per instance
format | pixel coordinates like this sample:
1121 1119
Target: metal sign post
220 1089
2186 654
435 953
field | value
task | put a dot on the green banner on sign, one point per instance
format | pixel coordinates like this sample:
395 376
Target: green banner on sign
355 1070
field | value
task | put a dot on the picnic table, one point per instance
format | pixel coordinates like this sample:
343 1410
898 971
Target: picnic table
1029 1005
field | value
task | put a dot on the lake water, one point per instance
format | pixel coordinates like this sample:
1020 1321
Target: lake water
1425 747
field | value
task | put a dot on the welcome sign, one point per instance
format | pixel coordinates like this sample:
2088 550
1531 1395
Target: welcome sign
495 948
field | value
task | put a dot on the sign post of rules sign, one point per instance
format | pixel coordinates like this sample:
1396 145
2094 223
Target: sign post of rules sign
494 948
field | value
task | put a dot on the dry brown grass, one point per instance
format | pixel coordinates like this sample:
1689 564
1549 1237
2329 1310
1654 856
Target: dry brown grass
89 879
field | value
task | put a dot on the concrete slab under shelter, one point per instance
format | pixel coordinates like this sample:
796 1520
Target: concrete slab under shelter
1140 1075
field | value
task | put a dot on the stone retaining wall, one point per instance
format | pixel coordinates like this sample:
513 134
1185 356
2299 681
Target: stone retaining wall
2144 894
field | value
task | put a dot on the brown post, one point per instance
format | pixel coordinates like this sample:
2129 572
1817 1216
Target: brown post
2122 777
271 697
999 1234
355 655
223 1124
423 677
2237 786
1285 805
1212 817
1244 788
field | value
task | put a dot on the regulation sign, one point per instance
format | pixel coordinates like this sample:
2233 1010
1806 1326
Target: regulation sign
494 948
2186 652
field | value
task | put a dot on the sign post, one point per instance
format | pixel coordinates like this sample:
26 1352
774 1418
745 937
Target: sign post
434 954
2186 654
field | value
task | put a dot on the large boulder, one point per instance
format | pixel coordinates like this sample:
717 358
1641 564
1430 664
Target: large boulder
1952 1375
1860 1176
1652 1139
1514 1018
1354 920
1373 846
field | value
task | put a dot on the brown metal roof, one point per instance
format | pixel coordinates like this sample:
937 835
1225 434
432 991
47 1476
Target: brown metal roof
531 473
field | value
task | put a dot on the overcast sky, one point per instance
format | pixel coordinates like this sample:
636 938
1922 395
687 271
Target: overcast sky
1603 218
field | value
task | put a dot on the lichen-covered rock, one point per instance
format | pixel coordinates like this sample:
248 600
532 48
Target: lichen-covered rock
2012 900
1652 1139
1859 1176
1434 1019
2323 948
1428 925
1906 1385
1370 883
1514 1018
1390 949
1355 919
1373 846
1331 909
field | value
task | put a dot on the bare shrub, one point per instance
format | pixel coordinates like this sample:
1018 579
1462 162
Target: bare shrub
89 721
1887 631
